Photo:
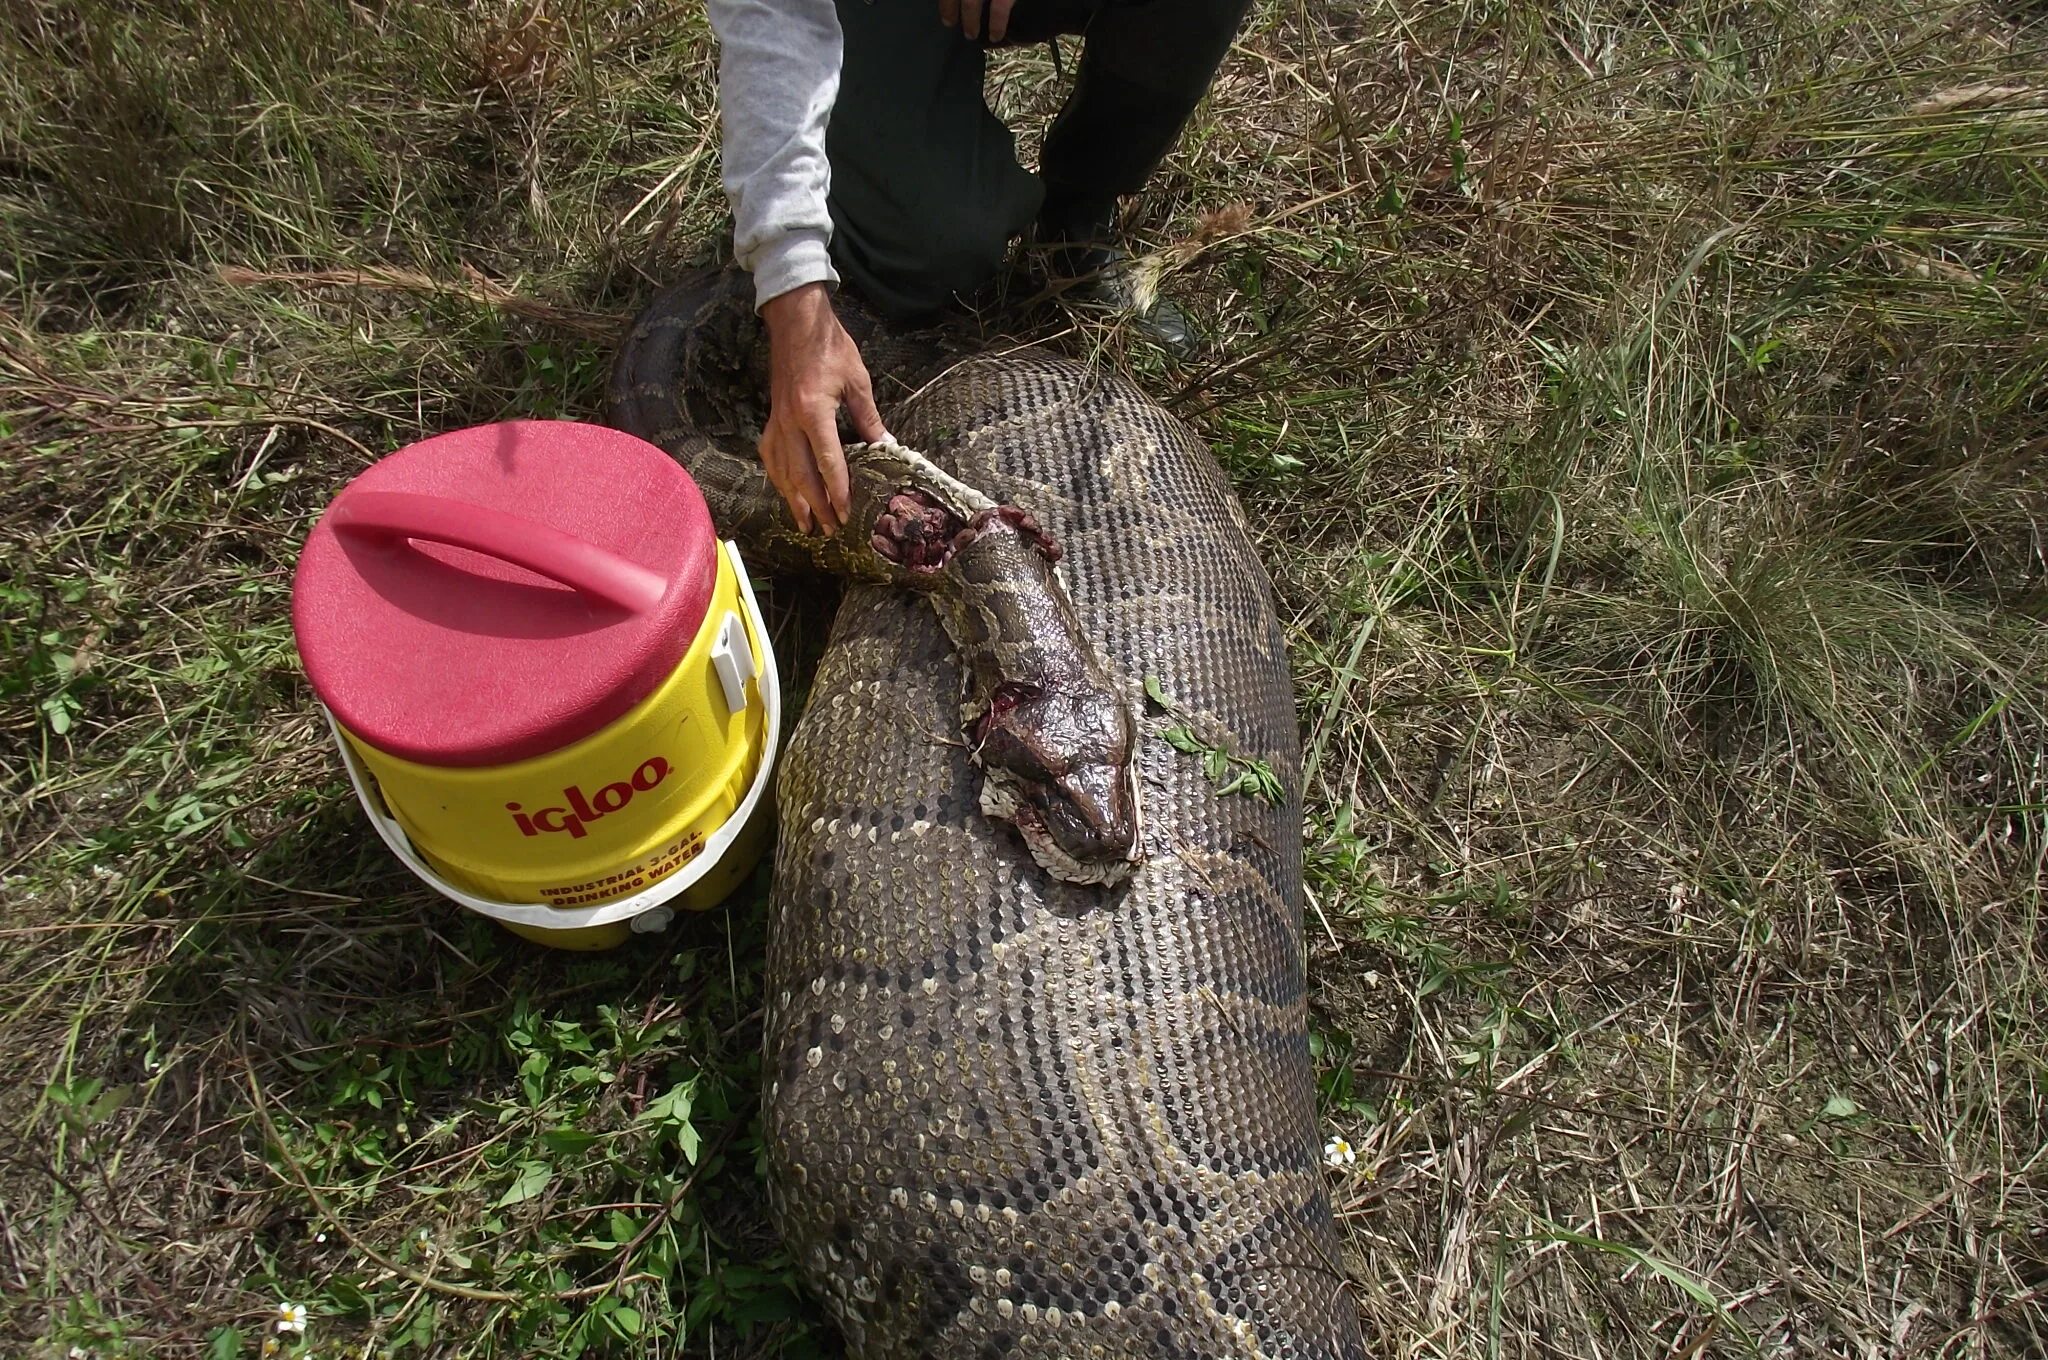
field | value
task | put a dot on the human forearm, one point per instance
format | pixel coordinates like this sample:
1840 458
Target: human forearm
778 74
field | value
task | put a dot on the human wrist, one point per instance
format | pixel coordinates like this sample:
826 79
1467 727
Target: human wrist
795 308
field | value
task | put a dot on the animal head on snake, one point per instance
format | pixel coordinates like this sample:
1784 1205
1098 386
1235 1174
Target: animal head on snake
1057 765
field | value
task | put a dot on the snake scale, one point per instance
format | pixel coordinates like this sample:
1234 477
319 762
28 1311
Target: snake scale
1007 1114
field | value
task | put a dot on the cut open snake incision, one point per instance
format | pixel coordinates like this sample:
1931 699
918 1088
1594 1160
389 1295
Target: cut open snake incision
1008 1114
918 531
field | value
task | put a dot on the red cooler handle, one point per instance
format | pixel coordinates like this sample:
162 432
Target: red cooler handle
575 562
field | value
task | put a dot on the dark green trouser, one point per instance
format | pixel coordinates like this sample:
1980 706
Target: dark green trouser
926 190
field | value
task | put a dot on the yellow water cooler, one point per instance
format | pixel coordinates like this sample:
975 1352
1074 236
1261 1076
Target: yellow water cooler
547 676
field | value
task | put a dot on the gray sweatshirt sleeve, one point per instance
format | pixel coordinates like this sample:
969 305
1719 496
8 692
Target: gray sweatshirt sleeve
778 73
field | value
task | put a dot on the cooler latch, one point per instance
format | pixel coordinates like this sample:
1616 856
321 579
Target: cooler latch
732 656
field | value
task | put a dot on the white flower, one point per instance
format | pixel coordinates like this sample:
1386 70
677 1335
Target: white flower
271 1346
1337 1152
79 1353
291 1317
319 1237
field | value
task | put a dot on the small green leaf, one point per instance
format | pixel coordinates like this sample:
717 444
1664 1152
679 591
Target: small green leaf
224 1344
110 1100
532 1077
625 1321
672 1104
344 1295
623 1227
1181 739
1840 1107
76 1094
569 1141
419 1333
1157 694
533 1178
672 1108
1264 783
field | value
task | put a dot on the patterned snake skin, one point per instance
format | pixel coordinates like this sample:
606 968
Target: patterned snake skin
1007 1114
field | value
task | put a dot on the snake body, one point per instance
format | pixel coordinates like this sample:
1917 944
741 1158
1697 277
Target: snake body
1008 1114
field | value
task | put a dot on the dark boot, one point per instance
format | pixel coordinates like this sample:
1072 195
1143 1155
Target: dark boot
1086 268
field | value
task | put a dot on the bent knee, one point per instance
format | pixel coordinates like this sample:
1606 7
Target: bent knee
919 256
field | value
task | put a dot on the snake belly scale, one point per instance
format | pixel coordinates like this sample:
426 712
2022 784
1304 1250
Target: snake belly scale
1009 1115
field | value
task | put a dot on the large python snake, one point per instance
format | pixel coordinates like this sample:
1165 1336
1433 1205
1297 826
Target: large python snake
1009 1114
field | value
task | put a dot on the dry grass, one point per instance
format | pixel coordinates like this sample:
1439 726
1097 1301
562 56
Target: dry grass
1645 408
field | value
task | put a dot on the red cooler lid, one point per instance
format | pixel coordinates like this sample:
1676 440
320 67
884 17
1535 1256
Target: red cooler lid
500 592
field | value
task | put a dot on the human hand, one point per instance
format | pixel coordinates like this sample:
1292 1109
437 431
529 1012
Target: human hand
966 15
814 367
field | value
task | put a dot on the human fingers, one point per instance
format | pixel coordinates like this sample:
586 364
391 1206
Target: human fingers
821 475
775 461
949 13
999 18
970 18
861 410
